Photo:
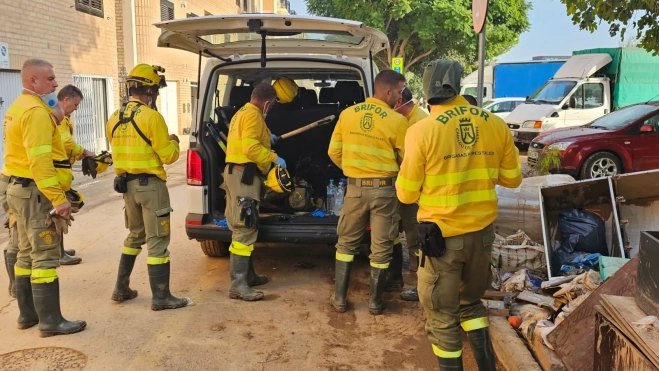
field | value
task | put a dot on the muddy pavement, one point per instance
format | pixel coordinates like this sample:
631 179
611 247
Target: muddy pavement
293 328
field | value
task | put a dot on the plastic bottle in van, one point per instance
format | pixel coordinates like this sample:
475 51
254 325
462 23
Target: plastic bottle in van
331 194
338 198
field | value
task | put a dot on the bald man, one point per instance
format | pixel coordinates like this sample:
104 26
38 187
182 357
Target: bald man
39 173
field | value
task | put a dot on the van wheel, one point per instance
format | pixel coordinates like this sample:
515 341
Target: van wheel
214 249
599 165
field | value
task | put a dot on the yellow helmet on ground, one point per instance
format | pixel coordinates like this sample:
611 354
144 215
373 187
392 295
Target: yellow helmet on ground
279 180
286 89
75 199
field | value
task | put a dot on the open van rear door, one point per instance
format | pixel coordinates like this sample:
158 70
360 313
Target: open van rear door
222 36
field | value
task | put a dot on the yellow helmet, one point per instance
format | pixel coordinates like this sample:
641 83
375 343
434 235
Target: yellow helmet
146 75
103 161
75 198
279 180
286 89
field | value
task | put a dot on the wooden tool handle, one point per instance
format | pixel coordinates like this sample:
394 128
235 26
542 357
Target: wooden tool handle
323 121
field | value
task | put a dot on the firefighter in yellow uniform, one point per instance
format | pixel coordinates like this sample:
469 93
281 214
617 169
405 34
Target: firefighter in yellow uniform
140 146
249 157
39 175
367 144
413 114
69 98
454 159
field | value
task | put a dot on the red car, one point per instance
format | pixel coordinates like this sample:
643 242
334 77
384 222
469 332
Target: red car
624 141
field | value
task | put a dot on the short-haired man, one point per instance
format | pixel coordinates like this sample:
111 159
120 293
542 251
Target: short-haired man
455 157
36 162
249 156
69 97
367 144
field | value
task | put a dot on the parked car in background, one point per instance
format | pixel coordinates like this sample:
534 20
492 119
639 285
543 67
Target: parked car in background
502 106
624 141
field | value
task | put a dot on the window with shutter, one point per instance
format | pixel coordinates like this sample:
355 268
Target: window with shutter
93 7
166 10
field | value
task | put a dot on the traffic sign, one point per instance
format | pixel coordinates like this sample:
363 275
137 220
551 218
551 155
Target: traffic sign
478 14
397 64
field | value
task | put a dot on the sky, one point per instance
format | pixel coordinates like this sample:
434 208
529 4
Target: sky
552 33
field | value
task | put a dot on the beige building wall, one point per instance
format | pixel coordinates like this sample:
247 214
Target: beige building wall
181 67
74 42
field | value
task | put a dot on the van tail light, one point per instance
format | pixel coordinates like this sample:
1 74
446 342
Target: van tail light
194 173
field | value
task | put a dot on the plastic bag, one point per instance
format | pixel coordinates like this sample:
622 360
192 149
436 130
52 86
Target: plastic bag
582 231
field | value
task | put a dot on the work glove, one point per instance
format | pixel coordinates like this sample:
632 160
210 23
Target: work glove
61 224
89 167
280 161
273 138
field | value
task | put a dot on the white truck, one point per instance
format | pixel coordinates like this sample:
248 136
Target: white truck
589 85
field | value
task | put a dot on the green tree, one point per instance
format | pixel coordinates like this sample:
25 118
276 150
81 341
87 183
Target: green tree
643 15
420 30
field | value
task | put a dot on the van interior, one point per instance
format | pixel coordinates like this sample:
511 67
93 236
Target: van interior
323 91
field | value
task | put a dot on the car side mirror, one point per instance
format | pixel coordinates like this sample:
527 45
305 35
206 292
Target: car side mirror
647 129
573 102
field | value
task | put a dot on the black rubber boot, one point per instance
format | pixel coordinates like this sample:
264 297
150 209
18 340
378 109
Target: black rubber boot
341 282
395 270
47 303
70 252
122 291
450 364
10 261
481 345
65 259
378 281
28 315
239 272
254 279
162 298
410 295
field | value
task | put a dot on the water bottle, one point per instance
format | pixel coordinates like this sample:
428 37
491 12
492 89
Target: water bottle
331 193
338 199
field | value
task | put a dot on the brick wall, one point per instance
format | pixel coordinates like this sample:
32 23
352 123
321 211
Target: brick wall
74 42
180 66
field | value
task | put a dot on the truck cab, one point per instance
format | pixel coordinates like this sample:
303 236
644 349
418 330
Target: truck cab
575 96
331 62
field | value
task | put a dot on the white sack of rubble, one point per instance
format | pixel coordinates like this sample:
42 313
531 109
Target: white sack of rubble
519 208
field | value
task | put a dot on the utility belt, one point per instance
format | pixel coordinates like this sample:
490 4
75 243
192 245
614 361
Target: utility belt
433 243
250 171
24 182
121 182
372 182
63 164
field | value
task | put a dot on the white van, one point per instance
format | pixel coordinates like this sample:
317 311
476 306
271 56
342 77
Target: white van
331 60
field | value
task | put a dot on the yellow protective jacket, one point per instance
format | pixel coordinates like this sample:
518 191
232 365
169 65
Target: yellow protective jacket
249 139
132 154
368 140
416 115
33 148
454 159
73 149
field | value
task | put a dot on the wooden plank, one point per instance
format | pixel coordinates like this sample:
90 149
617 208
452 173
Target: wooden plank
574 338
547 358
497 295
615 351
509 348
625 312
